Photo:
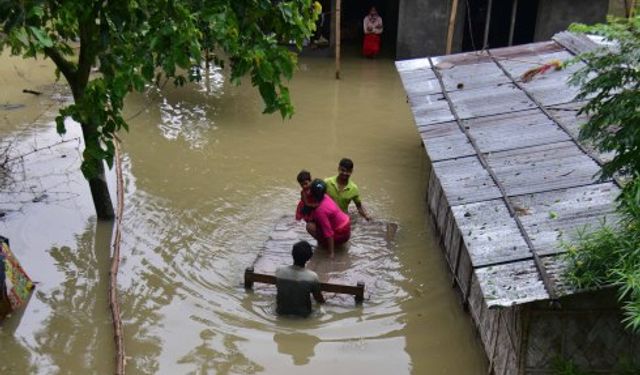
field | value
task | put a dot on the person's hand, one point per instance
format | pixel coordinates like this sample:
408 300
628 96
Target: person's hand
332 255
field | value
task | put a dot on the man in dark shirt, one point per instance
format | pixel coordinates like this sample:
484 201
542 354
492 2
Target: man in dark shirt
295 284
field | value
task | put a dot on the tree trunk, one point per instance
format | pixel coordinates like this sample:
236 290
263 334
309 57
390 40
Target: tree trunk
100 195
98 182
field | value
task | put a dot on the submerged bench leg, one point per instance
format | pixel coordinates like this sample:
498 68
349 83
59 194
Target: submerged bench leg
248 278
359 296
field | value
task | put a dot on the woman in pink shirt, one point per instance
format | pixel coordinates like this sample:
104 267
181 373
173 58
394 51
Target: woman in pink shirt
330 226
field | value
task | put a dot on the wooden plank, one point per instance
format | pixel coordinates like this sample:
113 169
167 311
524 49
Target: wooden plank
511 284
482 102
445 141
489 233
514 130
353 263
250 277
465 181
543 168
552 217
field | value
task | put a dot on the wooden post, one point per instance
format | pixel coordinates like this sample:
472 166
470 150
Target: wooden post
338 39
248 278
512 28
487 24
452 24
359 297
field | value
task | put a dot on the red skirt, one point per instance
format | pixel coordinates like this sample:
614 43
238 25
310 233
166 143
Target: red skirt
371 45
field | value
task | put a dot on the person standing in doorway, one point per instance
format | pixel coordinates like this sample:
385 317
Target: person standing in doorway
372 30
343 190
295 284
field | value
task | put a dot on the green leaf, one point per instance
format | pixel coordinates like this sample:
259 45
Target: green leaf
41 36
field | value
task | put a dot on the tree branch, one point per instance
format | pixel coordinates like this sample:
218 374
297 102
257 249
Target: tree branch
65 66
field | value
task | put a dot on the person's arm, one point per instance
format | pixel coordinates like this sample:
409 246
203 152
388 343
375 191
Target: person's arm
331 247
378 27
362 211
317 294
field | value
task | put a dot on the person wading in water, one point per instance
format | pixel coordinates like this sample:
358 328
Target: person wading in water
342 190
295 284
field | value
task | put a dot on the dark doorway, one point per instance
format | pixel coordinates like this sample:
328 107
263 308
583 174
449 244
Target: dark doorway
500 33
353 13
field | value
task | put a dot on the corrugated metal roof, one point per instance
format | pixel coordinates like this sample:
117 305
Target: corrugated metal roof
505 152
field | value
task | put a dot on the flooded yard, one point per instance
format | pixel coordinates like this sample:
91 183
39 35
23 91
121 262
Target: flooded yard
206 178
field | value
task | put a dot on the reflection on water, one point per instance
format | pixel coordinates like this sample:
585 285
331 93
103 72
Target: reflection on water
300 346
206 177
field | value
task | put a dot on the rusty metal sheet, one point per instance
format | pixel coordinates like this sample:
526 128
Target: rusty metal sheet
430 109
542 168
465 77
567 116
516 66
511 284
465 181
514 130
553 217
524 50
457 59
489 233
576 43
552 89
445 141
482 102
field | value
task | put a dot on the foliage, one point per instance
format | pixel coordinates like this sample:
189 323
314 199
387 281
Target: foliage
611 256
610 81
137 42
561 366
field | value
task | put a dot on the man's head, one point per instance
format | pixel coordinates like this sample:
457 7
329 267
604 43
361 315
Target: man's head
345 168
373 11
301 253
304 179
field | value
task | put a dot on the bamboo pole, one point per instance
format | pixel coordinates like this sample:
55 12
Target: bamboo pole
452 24
118 331
338 39
512 27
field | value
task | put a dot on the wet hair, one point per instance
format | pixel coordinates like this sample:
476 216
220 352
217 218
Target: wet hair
303 176
346 163
301 253
318 188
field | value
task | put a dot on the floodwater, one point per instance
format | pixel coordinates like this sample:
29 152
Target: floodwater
206 177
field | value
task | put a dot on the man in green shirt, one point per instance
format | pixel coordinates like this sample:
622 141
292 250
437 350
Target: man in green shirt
343 191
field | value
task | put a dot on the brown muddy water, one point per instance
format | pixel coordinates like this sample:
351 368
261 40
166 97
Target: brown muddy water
207 175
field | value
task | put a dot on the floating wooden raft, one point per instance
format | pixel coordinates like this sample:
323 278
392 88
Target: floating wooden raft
346 274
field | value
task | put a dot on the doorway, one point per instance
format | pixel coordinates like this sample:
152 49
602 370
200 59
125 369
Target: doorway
510 22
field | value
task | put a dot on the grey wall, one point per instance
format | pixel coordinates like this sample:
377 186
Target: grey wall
556 15
422 28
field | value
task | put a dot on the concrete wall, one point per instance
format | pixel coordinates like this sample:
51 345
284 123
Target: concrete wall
422 28
556 15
